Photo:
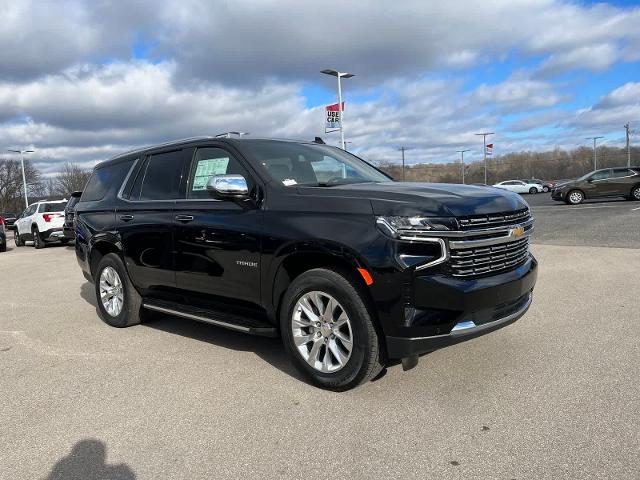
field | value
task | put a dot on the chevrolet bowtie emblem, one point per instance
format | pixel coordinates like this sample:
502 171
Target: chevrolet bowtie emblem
517 232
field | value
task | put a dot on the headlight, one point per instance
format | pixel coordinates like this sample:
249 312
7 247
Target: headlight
399 227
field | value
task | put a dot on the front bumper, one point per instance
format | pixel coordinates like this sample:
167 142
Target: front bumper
481 306
557 194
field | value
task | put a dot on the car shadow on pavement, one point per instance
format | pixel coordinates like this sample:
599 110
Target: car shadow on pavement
268 349
86 461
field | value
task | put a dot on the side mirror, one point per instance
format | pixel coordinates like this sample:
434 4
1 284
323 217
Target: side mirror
225 187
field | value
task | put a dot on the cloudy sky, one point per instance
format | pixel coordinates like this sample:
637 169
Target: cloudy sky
83 80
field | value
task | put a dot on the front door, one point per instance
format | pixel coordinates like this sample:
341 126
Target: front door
599 184
217 242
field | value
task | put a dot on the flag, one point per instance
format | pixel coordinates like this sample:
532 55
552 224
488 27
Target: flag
489 148
333 117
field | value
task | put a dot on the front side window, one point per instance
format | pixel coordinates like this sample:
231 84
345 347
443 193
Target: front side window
601 175
291 164
161 180
209 162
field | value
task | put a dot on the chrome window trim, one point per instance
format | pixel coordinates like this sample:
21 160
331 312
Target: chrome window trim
126 179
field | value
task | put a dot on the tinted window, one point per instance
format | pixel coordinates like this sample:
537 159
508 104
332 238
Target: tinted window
104 178
72 202
622 173
161 179
601 175
209 162
52 207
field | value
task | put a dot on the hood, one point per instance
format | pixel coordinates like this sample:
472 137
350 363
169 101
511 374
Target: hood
432 199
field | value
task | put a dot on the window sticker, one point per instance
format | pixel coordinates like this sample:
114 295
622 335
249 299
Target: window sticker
288 182
206 169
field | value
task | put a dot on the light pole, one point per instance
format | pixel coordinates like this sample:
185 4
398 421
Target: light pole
24 179
484 151
595 155
403 149
627 129
461 152
339 75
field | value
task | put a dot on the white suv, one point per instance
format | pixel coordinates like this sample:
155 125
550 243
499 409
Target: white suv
41 222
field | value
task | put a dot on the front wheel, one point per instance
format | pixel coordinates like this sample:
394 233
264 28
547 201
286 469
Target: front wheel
533 190
574 197
328 331
119 302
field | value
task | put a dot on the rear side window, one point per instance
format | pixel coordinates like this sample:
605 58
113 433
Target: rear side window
161 179
104 179
52 207
622 173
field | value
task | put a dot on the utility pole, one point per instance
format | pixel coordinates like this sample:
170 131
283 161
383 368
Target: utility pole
484 151
461 152
402 149
627 129
339 75
595 155
24 179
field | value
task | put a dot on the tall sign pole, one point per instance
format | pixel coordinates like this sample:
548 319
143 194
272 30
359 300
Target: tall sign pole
484 151
339 75
402 149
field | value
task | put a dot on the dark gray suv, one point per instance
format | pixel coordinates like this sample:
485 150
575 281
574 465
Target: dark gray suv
608 182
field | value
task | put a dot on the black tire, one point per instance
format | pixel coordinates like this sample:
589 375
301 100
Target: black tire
533 190
545 189
16 238
132 303
3 246
574 197
365 360
635 193
64 241
38 243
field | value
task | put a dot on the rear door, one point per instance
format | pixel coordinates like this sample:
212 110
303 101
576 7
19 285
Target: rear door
217 242
145 220
622 180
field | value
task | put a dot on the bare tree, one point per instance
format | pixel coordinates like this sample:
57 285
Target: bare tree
70 179
11 189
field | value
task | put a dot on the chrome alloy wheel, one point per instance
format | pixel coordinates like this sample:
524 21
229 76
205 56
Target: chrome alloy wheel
111 294
575 197
322 331
636 193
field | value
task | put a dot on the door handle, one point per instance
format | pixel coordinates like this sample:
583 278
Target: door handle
126 218
184 218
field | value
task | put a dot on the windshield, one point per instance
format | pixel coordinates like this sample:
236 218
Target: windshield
313 165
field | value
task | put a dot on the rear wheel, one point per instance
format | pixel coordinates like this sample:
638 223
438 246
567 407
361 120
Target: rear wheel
328 330
3 246
635 193
37 240
119 302
574 197
16 238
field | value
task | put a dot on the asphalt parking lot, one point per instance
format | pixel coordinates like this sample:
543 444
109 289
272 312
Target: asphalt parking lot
555 395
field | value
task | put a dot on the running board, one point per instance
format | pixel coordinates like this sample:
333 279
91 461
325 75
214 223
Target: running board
253 326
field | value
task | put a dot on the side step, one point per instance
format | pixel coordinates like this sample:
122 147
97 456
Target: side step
245 324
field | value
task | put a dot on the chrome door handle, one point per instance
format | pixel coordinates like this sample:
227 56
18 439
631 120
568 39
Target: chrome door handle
184 218
126 218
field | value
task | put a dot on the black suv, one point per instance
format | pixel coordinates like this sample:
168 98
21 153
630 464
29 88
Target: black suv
69 212
307 242
607 182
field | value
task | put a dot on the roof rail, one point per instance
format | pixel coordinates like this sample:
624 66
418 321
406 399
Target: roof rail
165 144
228 134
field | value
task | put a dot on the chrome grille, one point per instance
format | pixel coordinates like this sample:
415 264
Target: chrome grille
494 219
466 262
